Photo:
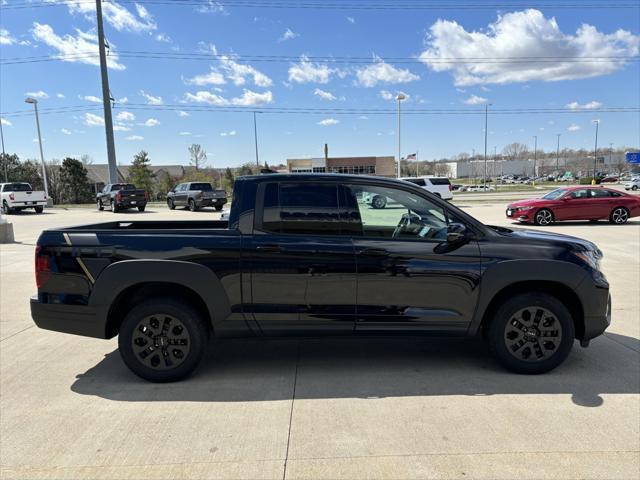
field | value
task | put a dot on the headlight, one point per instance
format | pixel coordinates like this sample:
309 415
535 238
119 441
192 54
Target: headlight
522 209
590 257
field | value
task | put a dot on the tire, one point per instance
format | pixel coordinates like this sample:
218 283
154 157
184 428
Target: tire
218 208
544 217
5 208
438 195
523 351
379 202
141 208
192 205
143 330
39 209
619 216
100 206
170 204
634 188
114 208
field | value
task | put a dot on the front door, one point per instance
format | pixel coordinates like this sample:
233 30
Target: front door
303 269
575 205
409 277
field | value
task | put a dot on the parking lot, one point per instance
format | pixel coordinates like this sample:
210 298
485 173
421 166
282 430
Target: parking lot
374 408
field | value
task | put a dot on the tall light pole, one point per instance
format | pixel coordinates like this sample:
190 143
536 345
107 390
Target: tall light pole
399 98
106 97
486 118
34 102
558 153
4 155
255 138
535 158
610 151
595 154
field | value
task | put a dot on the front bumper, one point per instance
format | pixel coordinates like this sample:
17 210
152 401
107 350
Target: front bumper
74 319
521 216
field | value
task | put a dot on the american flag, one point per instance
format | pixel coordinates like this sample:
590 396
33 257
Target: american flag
412 156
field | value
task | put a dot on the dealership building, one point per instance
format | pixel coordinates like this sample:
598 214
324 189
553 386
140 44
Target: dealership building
380 166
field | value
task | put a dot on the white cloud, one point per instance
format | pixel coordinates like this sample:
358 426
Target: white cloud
60 95
475 100
164 38
5 122
38 94
184 133
214 77
248 98
309 72
119 127
93 120
125 116
585 106
116 15
151 122
328 121
182 113
524 34
65 131
135 137
232 133
381 72
351 19
573 127
288 35
151 100
122 100
238 73
386 95
211 6
324 95
74 48
363 117
6 38
91 98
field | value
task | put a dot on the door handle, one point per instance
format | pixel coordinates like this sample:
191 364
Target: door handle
269 248
374 252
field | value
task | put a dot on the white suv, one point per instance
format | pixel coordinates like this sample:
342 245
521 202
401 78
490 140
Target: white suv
633 184
440 186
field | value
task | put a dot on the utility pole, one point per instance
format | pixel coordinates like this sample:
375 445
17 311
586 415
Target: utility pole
595 154
34 102
106 97
535 158
4 155
558 154
399 98
610 150
255 138
486 117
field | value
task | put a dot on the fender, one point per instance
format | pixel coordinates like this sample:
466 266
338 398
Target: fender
501 275
124 274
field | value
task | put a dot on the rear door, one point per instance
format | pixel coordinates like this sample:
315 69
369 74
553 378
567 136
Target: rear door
601 201
180 196
303 268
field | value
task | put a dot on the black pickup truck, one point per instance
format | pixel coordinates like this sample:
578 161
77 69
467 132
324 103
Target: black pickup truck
304 255
122 196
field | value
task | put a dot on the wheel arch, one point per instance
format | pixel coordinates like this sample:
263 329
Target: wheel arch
127 282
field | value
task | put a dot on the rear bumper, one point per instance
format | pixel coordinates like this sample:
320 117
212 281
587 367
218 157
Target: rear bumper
131 203
30 204
74 319
212 202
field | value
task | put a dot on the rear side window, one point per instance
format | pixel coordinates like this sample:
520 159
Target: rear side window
600 193
440 181
417 181
301 208
17 187
205 187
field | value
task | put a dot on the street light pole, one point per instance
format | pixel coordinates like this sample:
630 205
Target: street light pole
4 155
595 154
535 158
255 138
34 102
399 98
558 153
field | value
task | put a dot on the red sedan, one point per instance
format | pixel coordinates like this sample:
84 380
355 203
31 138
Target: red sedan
576 203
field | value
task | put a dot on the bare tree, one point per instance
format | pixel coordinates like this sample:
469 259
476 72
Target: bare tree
515 150
54 181
198 156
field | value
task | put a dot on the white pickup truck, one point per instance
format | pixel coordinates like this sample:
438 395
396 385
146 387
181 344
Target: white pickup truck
18 196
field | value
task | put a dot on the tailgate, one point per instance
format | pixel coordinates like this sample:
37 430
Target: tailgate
28 197
131 195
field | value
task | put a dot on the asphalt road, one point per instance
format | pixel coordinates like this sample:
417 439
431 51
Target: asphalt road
317 408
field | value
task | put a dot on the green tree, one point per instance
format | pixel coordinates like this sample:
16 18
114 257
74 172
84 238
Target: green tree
139 172
8 163
228 180
74 181
248 169
54 181
28 171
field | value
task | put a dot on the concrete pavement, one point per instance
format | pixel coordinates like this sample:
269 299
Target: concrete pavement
317 408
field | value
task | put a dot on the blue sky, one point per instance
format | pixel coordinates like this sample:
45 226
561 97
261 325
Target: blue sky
141 85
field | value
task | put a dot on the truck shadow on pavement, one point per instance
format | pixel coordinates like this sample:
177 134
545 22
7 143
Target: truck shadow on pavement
264 370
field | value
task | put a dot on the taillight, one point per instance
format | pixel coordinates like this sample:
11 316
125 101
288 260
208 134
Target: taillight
43 267
450 187
118 197
146 195
12 197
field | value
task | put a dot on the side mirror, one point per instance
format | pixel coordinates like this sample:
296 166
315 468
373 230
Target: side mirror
456 232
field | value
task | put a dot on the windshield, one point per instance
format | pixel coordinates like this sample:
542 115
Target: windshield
17 187
206 187
555 194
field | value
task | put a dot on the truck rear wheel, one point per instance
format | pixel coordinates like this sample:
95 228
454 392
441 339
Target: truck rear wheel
163 340
218 208
6 210
531 333
192 205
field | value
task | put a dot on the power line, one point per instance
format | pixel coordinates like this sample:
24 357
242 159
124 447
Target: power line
352 4
164 55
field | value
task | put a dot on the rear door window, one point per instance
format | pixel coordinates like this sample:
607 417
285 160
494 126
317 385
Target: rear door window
439 181
600 193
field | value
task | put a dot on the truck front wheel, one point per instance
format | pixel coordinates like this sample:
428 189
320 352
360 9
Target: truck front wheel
531 333
163 340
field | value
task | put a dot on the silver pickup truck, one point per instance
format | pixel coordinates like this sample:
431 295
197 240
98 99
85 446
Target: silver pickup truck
196 195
